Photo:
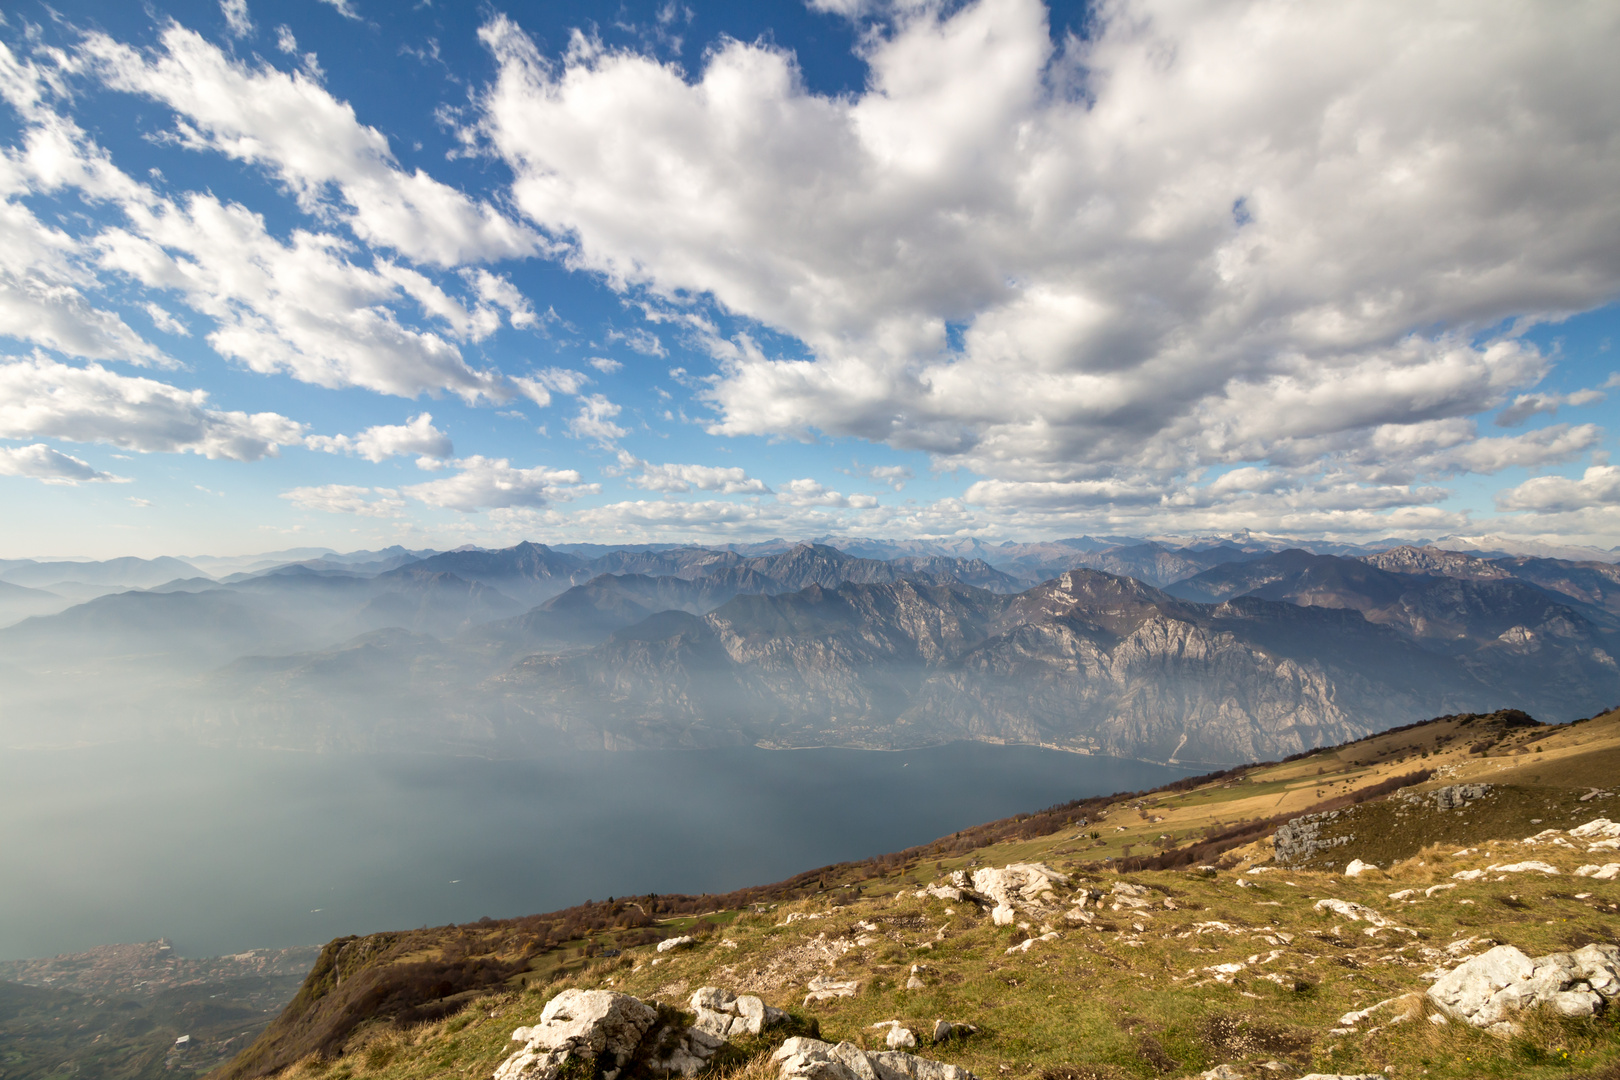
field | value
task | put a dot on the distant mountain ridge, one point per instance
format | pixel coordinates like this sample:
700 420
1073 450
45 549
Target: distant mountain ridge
1246 652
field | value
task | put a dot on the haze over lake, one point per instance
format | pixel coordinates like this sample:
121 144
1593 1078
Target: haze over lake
225 850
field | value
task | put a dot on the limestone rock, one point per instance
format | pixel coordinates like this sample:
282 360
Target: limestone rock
1488 989
1597 829
595 1024
727 1016
826 988
811 1059
1524 867
945 1029
1019 885
1357 868
1606 872
670 944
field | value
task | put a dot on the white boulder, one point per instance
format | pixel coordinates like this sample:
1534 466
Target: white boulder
590 1023
1357 868
727 1016
671 944
1597 829
1524 868
1019 885
1488 989
1606 872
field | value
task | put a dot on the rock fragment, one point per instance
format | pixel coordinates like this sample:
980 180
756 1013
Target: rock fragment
826 988
670 944
811 1059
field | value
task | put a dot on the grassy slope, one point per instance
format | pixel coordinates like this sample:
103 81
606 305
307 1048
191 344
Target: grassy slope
1130 995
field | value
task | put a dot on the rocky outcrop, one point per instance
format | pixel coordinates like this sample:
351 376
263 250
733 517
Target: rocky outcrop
812 1059
1018 887
1489 989
1302 837
594 1025
611 1031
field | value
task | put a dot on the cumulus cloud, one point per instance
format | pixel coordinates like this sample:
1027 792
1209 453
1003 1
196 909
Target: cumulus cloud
1200 236
807 492
482 483
299 307
313 142
40 462
605 365
44 398
1527 405
539 385
1599 486
681 478
416 436
594 420
348 499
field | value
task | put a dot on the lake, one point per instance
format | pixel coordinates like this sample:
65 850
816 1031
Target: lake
226 850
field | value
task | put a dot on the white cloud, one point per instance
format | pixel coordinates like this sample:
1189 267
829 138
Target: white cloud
492 483
642 341
1527 405
595 420
1204 235
299 307
237 20
680 478
285 41
164 320
895 476
343 7
312 141
807 492
40 462
348 499
1599 486
538 386
605 365
416 436
43 398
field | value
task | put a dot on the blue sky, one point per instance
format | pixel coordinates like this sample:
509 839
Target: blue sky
334 272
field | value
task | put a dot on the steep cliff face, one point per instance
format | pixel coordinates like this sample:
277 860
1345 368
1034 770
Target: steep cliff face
1303 650
1087 661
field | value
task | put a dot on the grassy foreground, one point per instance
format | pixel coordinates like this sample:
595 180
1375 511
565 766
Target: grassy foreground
1234 965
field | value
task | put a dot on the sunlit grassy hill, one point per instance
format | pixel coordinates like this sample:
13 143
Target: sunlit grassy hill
1195 947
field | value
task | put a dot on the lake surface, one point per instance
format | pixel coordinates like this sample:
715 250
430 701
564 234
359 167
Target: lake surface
226 850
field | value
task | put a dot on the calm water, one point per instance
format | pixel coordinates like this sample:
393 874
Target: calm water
222 850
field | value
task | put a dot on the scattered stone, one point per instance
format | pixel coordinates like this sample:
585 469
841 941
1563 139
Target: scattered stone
1222 1072
1357 868
1606 872
1524 867
1344 1076
826 988
1361 913
811 1059
1486 990
1432 889
899 1036
670 944
1403 894
1030 943
727 1016
945 1029
1468 875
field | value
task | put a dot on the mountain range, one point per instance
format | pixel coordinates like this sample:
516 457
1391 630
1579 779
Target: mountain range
1203 654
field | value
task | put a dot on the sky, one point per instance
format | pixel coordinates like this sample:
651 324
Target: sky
345 273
